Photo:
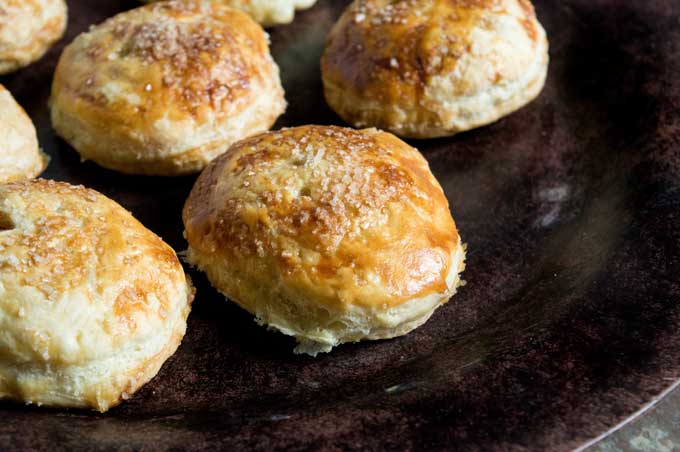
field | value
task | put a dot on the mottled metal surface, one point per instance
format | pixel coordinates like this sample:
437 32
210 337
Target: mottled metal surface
656 430
570 321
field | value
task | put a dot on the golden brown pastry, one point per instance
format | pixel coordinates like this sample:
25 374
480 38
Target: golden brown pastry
28 28
431 68
20 156
165 88
91 302
267 12
327 234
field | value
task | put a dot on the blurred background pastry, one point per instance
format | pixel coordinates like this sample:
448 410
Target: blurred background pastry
28 28
20 155
267 12
327 234
165 88
432 68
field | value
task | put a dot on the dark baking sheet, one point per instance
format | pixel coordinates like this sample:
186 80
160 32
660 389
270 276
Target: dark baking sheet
570 321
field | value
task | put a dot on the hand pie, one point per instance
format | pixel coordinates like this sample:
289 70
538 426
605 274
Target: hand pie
91 302
20 156
327 234
165 88
433 68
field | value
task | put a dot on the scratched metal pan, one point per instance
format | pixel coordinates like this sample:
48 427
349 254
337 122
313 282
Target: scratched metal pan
569 323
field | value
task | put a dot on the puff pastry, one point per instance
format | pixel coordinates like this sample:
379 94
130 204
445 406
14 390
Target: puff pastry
91 302
20 156
28 28
165 88
432 68
327 234
267 12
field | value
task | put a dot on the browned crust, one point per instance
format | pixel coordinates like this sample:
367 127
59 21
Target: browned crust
371 207
185 56
69 235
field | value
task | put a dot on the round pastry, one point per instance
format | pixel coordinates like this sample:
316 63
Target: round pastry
268 12
327 234
91 302
20 156
432 68
28 28
165 88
